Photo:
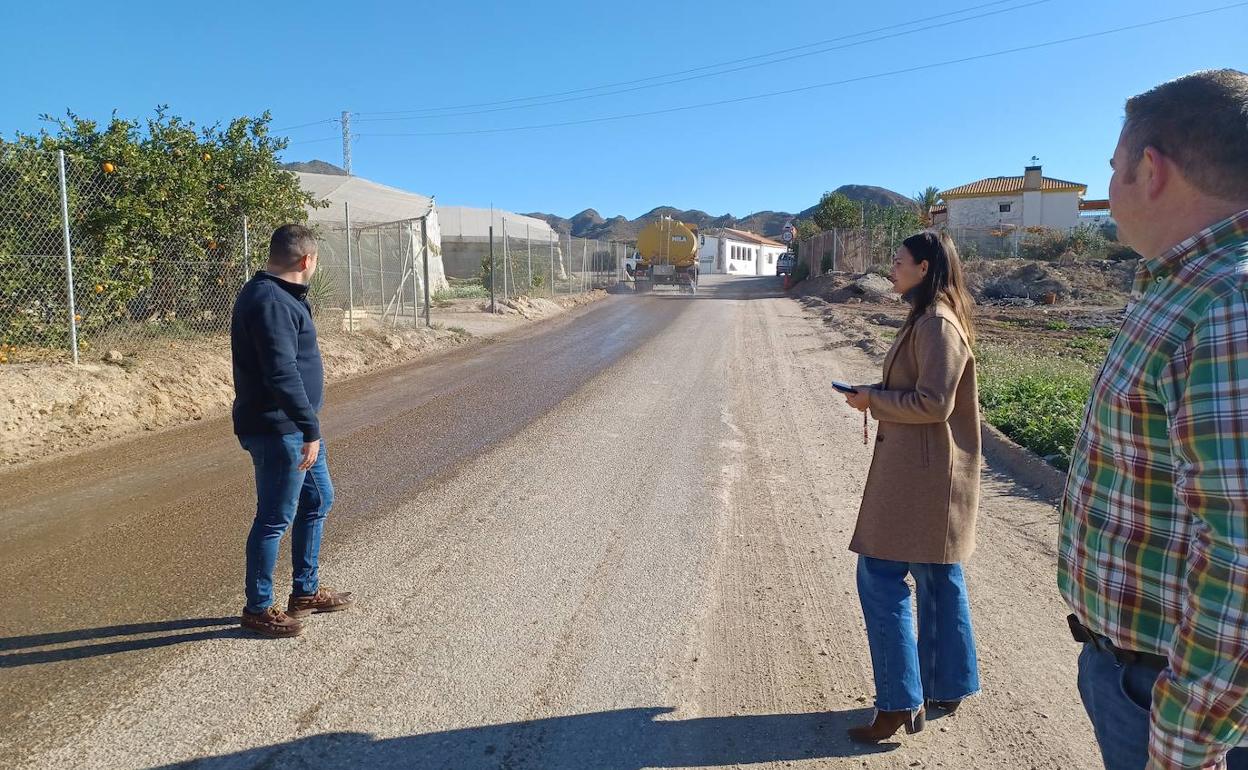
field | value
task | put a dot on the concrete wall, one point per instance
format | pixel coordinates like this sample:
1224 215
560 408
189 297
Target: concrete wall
770 256
1054 210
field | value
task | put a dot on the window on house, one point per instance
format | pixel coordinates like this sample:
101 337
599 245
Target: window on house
1005 207
769 258
701 240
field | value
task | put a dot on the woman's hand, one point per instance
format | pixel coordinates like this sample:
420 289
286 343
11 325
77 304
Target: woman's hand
860 400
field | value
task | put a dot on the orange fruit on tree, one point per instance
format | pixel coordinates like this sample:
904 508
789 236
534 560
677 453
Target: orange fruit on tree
212 244
99 288
109 167
207 157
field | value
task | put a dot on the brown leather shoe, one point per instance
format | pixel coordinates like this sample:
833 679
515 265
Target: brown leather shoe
324 600
886 723
272 623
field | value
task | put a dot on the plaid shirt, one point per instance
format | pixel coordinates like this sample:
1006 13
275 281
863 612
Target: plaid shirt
1154 532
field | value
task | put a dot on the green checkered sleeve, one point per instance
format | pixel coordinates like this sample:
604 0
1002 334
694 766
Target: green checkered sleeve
1200 704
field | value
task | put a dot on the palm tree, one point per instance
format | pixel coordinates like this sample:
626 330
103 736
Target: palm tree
927 200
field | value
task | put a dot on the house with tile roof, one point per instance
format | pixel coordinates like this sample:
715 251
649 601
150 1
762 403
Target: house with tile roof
737 252
1009 202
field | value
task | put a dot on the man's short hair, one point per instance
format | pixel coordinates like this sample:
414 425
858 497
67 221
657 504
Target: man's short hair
1200 121
289 244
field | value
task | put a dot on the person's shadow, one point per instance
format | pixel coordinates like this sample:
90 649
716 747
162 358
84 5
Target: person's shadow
15 651
627 739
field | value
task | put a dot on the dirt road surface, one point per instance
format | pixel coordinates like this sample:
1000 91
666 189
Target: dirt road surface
616 540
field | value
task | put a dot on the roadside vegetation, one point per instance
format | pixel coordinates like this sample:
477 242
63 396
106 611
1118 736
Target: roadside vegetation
1036 393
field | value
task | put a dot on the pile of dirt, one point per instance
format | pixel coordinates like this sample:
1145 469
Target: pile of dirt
850 288
46 410
1101 281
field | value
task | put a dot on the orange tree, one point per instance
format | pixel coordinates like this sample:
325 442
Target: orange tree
156 211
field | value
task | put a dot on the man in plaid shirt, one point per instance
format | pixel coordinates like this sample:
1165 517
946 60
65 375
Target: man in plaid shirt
1154 532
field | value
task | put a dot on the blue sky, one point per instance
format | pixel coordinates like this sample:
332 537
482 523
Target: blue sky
943 126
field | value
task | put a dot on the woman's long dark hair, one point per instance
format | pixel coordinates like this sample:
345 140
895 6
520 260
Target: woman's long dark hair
944 281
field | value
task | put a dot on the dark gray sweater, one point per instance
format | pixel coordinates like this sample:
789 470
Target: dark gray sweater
278 377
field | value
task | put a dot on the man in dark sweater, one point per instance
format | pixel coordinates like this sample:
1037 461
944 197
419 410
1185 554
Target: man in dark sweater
278 390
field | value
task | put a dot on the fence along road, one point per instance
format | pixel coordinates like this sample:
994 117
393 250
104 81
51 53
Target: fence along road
614 542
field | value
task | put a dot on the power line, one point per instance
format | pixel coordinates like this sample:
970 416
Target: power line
714 74
305 125
829 84
313 141
697 69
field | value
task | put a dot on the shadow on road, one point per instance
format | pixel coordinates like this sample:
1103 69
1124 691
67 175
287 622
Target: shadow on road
628 739
222 628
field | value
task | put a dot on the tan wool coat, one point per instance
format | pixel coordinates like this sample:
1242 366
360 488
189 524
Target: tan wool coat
922 491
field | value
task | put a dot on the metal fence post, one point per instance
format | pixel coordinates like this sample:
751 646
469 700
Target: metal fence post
506 259
246 249
492 308
424 255
381 278
552 263
415 289
528 242
69 256
346 212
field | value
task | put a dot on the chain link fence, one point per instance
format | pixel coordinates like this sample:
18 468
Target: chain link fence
529 265
77 279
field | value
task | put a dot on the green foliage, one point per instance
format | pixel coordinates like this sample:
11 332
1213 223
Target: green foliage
156 211
927 200
836 210
900 221
321 291
801 272
1057 326
1037 402
825 262
461 289
806 228
1084 242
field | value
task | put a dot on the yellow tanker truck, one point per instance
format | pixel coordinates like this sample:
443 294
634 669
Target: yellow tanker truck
667 255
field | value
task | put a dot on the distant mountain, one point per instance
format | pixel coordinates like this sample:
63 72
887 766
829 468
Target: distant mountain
315 167
590 224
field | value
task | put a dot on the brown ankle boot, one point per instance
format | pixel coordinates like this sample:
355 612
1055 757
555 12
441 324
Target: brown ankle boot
947 707
886 723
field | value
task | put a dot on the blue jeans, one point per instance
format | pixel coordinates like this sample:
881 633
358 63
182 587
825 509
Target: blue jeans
1118 699
941 663
285 495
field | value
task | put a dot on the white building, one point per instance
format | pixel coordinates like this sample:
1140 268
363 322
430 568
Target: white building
737 252
1008 202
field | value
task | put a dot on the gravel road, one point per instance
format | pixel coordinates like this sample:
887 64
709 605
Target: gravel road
614 540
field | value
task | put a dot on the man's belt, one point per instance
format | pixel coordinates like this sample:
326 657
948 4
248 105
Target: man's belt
1085 635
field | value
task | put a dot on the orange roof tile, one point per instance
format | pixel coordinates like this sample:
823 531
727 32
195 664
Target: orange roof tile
748 237
1002 185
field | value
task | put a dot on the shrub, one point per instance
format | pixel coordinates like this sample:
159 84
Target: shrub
156 212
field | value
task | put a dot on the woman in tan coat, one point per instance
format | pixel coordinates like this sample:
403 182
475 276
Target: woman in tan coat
922 493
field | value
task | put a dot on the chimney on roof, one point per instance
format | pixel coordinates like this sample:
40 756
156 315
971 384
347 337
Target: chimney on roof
1033 177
